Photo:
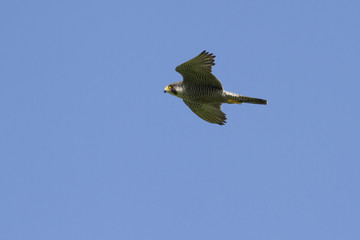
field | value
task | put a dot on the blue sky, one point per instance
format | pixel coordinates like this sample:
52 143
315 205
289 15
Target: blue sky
91 147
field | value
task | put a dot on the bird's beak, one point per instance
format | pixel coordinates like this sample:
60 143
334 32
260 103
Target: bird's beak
166 89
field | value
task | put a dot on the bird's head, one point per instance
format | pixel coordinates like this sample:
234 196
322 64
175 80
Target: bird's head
175 89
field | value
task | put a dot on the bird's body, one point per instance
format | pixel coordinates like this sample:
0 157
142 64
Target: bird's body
202 92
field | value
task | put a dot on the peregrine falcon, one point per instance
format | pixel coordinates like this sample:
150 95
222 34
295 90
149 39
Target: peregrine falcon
202 92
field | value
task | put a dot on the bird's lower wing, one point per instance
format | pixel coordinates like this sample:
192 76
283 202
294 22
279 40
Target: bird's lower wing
209 112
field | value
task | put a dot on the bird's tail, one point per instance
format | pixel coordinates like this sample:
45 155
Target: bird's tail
236 98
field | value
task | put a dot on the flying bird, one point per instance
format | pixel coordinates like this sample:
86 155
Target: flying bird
202 92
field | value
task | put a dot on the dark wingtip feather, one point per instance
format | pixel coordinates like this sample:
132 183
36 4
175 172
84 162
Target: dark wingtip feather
207 54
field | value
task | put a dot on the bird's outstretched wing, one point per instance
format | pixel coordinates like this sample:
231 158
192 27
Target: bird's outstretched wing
197 71
209 112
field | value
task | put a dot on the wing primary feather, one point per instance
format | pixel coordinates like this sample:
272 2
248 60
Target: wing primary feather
197 71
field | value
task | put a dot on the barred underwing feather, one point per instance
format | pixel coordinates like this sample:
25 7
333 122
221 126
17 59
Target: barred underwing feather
197 71
208 112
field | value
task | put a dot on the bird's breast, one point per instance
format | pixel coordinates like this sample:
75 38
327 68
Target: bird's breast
202 94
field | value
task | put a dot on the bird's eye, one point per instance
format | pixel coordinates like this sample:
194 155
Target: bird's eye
170 87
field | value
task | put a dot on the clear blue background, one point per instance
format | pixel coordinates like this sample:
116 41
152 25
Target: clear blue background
91 147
